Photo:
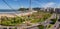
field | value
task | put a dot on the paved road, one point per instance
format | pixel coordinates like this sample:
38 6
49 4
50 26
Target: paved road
56 25
47 22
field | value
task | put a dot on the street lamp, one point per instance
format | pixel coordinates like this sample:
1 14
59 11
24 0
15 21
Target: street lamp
55 12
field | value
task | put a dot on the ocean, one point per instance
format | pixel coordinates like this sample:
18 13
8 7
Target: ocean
8 11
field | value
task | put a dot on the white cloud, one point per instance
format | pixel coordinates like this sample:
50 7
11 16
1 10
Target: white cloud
50 4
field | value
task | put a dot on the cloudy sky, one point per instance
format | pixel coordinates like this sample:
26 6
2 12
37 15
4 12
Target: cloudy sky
16 4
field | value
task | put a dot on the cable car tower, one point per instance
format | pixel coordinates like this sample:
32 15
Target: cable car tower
30 8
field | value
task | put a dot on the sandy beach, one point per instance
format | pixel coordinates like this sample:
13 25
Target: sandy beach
8 15
14 15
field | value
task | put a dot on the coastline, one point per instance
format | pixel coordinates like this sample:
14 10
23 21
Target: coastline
8 15
16 14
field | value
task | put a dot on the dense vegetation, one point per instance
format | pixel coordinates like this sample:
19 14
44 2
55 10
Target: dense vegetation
41 27
53 21
40 16
11 21
33 18
23 9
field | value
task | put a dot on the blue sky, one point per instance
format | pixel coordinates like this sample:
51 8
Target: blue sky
16 4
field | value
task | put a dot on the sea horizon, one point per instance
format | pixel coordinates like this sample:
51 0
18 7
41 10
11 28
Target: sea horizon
10 11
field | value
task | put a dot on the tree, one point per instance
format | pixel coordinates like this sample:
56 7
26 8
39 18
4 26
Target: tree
23 9
41 27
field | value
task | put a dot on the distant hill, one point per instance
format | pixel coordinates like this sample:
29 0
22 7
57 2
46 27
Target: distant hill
23 9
